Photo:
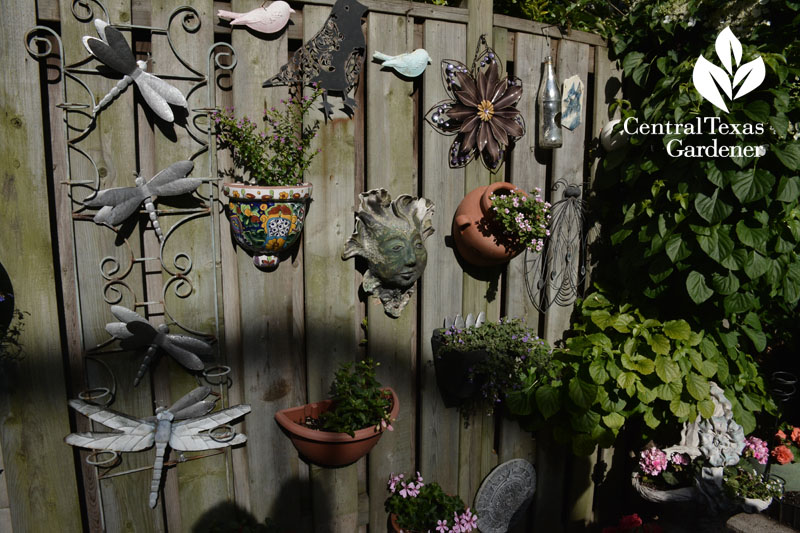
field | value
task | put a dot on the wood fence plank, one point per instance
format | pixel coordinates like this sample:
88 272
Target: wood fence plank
271 309
391 165
441 286
112 146
331 291
42 492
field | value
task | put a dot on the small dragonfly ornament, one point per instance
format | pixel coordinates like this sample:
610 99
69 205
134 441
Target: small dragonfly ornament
187 426
113 51
121 202
135 333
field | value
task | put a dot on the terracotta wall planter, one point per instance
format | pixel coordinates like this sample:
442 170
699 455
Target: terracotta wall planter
326 448
266 220
479 238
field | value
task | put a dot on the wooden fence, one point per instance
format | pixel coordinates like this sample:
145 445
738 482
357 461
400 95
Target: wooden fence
282 333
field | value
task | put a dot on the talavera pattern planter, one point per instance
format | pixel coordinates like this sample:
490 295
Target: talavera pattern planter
266 220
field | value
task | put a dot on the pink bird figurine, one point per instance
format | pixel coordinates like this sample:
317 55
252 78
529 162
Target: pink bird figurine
262 19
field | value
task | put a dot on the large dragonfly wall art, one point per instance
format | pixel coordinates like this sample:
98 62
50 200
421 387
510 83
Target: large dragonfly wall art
186 426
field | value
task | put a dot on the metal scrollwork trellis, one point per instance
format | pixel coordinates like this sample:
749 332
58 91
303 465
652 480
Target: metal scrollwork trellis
80 119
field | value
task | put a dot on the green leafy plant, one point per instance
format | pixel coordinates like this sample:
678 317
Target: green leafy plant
425 507
10 346
358 400
523 218
742 481
280 153
513 352
620 364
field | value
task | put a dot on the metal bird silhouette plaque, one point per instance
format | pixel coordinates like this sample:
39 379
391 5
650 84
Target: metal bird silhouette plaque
505 495
332 59
186 426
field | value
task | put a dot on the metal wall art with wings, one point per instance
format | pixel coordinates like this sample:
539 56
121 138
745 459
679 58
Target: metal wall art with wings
113 51
332 59
186 426
134 333
556 275
120 203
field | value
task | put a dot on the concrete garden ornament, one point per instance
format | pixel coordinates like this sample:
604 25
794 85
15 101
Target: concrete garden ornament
482 111
187 426
269 19
113 51
389 235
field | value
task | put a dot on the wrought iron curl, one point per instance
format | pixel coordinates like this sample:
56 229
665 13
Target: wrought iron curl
216 55
87 6
189 13
111 293
31 40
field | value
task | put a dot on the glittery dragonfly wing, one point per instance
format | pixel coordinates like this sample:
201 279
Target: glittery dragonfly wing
134 434
159 94
172 181
188 435
112 50
119 204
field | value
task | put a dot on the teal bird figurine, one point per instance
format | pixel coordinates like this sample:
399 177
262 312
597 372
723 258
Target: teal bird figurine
410 64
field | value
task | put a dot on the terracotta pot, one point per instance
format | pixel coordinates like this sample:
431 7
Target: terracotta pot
327 448
478 237
266 220
396 528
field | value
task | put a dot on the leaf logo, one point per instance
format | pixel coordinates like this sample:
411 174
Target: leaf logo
709 79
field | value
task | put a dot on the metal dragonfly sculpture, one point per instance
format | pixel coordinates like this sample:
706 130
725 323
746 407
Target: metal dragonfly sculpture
113 51
119 203
134 333
186 426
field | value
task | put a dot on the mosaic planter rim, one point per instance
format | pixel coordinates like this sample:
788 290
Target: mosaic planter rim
248 192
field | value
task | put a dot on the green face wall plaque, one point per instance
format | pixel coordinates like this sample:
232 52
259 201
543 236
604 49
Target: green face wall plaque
389 235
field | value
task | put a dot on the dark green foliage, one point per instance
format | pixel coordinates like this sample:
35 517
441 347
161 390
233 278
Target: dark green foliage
422 512
358 401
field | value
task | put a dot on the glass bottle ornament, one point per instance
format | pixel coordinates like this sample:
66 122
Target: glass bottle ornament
549 108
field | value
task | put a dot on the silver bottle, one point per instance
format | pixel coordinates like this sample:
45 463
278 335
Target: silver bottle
549 108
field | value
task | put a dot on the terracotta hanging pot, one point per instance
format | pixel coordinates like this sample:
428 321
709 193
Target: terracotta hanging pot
396 528
480 239
328 448
266 220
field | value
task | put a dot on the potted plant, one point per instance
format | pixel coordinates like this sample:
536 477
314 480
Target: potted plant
744 485
416 507
344 428
477 366
665 476
633 524
267 211
494 224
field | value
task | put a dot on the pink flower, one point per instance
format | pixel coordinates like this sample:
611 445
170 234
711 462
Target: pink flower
393 481
441 526
781 435
757 449
653 461
796 435
679 459
783 455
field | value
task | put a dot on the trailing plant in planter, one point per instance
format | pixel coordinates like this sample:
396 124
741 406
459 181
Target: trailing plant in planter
344 428
478 366
622 364
415 506
524 217
267 210
743 484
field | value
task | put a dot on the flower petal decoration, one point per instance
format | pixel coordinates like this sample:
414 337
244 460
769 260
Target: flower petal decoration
481 111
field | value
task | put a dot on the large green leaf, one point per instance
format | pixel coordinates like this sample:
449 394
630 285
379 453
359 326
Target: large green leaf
717 244
650 419
752 184
585 422
711 208
697 386
754 237
725 284
677 329
757 110
788 189
598 372
670 391
627 381
614 420
738 302
697 288
667 369
520 402
791 283
755 265
706 408
679 409
752 328
582 393
675 248
660 344
548 400
789 155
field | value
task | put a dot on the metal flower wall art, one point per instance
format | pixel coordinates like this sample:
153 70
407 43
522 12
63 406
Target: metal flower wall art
332 59
136 333
120 203
113 51
389 235
187 426
482 111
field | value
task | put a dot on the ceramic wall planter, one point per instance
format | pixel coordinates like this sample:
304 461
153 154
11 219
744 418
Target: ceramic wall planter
266 220
684 494
327 448
479 238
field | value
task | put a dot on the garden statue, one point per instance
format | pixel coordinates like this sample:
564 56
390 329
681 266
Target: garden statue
389 235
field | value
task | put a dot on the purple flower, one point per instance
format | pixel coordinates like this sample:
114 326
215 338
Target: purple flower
441 526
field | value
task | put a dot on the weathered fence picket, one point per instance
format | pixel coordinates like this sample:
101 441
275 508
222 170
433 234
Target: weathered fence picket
283 333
